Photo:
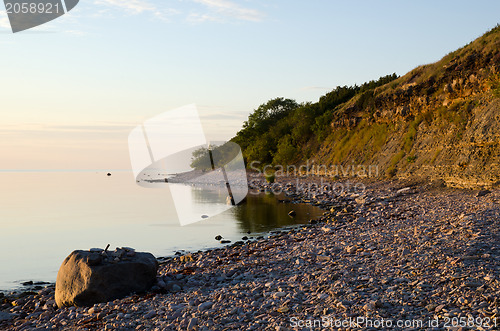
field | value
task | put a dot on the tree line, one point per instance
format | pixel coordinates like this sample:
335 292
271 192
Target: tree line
282 131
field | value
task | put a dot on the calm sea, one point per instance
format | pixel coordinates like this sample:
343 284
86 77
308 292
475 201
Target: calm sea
44 216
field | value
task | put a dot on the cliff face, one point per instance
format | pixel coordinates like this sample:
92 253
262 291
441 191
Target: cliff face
439 121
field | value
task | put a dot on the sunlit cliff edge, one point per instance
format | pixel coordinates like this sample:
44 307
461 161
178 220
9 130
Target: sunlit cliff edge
439 121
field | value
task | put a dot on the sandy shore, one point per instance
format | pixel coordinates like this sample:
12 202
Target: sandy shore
392 256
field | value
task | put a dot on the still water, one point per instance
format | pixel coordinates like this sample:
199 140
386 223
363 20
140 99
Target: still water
44 216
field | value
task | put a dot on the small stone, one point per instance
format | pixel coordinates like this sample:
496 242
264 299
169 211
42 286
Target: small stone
368 307
192 323
161 284
465 217
186 258
430 307
150 314
323 258
360 200
94 259
372 305
204 216
342 305
482 193
360 220
472 284
439 308
174 287
5 316
225 241
405 252
205 306
283 309
403 191
16 303
299 261
279 295
351 249
218 237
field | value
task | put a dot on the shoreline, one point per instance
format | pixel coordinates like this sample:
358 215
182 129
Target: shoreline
17 286
401 251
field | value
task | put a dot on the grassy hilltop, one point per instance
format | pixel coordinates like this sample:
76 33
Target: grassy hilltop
439 121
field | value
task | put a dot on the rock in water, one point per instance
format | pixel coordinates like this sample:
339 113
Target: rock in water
84 279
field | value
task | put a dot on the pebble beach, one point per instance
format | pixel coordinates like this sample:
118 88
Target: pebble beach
396 255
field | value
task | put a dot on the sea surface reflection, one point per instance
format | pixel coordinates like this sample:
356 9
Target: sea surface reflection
44 216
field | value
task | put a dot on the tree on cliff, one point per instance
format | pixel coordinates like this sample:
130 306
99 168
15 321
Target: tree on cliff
260 134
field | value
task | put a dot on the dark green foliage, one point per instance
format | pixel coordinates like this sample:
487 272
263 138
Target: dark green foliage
336 97
286 152
201 159
342 94
496 89
267 114
221 155
259 136
492 31
280 130
270 178
365 100
376 83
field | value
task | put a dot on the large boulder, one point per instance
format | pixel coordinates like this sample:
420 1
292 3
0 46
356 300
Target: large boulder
89 277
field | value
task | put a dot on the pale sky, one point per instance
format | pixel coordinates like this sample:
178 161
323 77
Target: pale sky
72 89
